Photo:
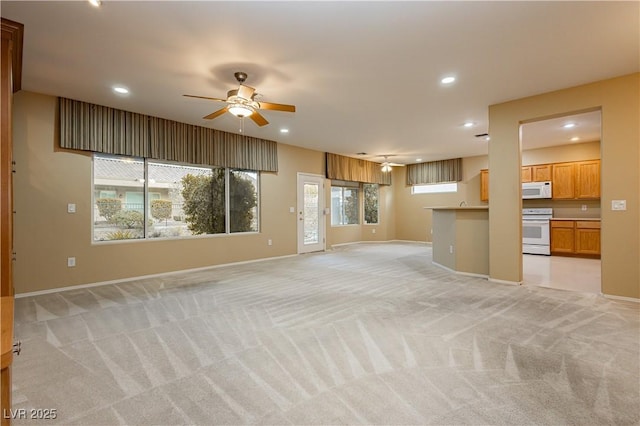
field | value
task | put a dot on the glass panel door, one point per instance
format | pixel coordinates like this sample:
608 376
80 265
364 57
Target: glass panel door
310 213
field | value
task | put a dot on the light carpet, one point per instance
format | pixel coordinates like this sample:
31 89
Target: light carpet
364 334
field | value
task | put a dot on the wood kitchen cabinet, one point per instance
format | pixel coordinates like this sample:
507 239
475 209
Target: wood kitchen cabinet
536 173
563 237
484 185
588 237
563 181
576 180
587 179
575 238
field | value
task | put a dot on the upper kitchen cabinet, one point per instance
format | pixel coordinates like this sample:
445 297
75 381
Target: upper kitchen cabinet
563 181
588 179
576 180
536 173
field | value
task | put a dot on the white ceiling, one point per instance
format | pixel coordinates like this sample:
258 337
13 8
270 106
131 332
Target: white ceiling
364 76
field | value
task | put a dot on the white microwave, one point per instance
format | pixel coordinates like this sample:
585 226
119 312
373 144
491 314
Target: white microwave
536 190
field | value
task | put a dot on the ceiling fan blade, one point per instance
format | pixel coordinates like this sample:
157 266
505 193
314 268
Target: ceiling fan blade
245 92
277 107
258 119
215 114
206 97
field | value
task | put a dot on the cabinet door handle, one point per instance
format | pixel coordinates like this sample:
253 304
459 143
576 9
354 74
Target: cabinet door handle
17 347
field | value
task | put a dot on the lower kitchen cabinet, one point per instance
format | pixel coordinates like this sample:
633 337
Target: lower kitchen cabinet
588 237
563 236
575 237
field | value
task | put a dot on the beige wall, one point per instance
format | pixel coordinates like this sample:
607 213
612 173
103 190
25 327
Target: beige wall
413 222
48 178
620 104
45 234
563 153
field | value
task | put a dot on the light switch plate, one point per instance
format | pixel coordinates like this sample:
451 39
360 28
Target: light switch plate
292 210
618 204
71 208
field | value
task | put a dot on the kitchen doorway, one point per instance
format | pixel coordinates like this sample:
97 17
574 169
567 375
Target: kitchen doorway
564 151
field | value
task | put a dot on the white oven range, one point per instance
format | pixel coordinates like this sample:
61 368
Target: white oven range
535 231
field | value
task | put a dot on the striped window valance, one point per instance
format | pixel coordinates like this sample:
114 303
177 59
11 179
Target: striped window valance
340 167
96 128
435 172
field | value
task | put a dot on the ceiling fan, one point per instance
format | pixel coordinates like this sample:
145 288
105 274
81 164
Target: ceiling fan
386 166
241 102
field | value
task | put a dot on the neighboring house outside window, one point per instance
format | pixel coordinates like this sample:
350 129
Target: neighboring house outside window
344 205
177 200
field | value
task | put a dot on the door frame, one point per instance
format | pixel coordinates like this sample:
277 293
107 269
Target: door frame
300 180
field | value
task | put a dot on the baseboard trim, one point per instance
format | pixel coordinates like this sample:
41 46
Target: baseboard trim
143 277
495 280
380 242
624 298
467 274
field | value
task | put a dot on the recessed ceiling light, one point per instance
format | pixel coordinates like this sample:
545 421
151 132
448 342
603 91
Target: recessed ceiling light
418 160
284 130
468 124
448 80
95 3
569 125
575 138
121 90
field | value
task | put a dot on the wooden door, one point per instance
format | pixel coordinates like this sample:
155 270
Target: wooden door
563 181
588 179
9 83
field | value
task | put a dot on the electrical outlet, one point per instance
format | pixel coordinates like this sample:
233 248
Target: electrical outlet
451 249
269 242
584 207
71 262
373 231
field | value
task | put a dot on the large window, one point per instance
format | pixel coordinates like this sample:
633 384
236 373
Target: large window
344 205
134 198
371 194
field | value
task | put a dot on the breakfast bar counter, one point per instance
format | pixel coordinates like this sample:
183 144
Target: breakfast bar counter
461 239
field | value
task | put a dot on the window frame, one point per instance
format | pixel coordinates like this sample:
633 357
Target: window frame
343 186
437 186
364 206
147 200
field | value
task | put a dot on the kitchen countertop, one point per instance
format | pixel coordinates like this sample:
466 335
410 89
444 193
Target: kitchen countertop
597 219
458 208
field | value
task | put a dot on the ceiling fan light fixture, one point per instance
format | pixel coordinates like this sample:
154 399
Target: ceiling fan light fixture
386 167
241 110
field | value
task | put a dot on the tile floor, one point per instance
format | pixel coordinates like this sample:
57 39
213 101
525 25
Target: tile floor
566 273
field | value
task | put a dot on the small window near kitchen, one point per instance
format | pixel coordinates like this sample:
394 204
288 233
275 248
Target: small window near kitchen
434 188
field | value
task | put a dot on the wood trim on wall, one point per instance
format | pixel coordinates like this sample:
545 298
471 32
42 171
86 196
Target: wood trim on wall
10 82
